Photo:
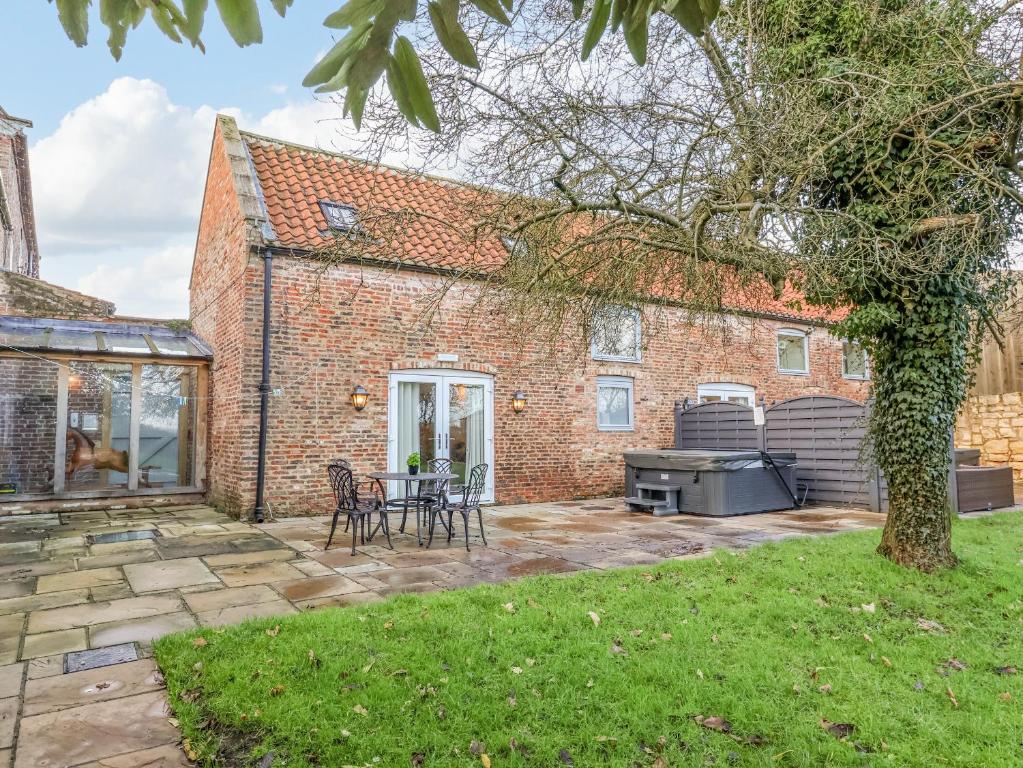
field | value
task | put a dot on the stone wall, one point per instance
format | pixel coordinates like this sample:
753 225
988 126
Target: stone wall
994 425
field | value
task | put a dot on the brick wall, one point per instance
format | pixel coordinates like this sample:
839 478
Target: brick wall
349 325
994 425
219 315
28 402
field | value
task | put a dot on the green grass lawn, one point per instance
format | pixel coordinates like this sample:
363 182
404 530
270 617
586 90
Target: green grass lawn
917 670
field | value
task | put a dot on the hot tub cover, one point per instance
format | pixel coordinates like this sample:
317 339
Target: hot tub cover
704 459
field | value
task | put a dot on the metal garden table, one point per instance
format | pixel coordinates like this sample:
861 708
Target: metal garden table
409 501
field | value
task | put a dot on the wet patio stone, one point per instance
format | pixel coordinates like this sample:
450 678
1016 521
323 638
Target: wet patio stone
8 716
94 731
52 694
117 558
219 599
257 573
45 666
319 586
17 588
49 643
340 601
101 613
540 565
139 630
239 613
168 574
10 679
95 577
405 576
42 602
167 756
245 558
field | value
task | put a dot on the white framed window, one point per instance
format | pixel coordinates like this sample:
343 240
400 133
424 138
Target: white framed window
727 392
617 333
615 411
793 351
855 364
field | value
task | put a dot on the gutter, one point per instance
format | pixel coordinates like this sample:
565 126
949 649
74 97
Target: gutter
264 387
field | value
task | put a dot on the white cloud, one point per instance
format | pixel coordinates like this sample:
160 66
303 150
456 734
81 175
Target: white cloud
153 284
118 188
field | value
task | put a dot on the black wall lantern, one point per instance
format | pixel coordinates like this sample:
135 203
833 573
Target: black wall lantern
519 402
359 397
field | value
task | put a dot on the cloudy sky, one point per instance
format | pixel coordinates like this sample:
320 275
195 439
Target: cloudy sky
118 150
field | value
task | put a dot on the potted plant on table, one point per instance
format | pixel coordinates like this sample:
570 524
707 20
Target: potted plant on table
414 460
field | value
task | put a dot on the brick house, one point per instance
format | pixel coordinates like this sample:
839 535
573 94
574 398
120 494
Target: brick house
445 387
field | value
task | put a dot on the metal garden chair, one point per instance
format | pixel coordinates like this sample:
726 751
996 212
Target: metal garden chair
358 512
469 503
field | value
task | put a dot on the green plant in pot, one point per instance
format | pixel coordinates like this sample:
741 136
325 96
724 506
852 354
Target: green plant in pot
414 460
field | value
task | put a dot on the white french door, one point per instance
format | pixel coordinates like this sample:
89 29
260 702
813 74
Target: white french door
442 416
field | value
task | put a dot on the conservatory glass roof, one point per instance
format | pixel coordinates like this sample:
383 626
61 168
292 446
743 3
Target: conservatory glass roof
82 337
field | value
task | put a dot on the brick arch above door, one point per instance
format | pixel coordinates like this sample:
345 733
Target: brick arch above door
414 365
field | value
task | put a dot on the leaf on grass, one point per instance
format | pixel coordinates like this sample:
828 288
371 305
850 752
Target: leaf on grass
714 723
200 642
918 685
417 759
665 635
485 760
616 648
565 757
1006 696
532 603
510 607
516 670
274 632
441 713
594 618
840 731
636 632
825 689
477 747
952 697
660 762
1010 670
868 607
868 638
189 751
388 624
886 661
360 710
928 625
277 690
313 659
714 638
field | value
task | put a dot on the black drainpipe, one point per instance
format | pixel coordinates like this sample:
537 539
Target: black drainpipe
264 387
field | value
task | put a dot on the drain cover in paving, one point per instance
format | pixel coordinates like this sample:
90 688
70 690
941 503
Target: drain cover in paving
111 538
100 657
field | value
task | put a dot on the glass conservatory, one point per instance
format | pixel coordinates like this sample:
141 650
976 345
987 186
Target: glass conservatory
92 409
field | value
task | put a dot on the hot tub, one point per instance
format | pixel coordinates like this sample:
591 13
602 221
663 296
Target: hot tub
709 482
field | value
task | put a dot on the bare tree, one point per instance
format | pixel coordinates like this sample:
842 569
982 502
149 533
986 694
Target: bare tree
863 152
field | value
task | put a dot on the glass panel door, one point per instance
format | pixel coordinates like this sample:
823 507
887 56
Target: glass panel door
166 426
465 440
416 421
98 422
442 416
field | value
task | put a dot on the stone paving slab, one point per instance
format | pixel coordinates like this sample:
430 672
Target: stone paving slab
50 694
58 592
92 732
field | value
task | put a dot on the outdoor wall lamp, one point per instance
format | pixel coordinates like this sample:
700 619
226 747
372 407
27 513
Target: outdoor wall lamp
359 397
519 402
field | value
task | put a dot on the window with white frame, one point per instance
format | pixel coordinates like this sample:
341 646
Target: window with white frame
615 403
793 351
854 360
727 392
616 335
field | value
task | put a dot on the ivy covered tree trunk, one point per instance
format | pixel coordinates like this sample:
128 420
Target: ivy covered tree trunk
921 369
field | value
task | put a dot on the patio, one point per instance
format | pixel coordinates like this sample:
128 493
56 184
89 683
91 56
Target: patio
65 587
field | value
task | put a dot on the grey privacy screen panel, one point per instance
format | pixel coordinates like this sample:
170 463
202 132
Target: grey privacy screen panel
718 425
826 434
